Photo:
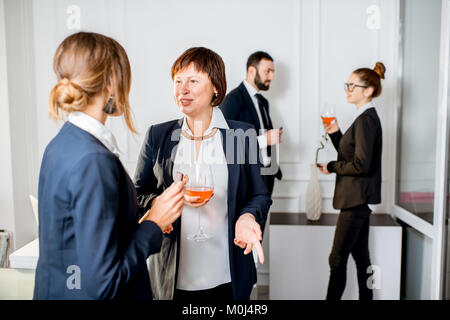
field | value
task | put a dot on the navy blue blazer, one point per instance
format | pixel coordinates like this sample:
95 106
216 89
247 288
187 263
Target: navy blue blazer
238 105
247 193
90 243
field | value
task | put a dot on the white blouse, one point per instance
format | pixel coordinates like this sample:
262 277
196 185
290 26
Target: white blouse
363 108
205 265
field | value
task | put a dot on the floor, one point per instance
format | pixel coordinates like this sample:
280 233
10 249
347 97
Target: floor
260 292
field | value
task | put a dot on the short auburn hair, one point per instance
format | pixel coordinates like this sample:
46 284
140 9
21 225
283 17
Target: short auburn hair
209 62
85 64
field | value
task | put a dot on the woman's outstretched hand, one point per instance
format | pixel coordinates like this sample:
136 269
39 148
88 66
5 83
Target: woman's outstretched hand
248 235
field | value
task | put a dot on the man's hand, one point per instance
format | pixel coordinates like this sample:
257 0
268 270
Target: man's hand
274 136
248 234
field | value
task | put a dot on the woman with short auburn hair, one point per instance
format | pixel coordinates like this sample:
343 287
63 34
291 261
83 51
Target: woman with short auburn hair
215 268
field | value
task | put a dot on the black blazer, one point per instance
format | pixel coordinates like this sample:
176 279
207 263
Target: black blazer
88 224
247 192
238 105
358 167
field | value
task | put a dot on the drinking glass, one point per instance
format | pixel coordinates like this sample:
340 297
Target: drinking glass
328 114
200 184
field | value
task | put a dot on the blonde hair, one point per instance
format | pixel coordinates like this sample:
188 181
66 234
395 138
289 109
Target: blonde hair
86 64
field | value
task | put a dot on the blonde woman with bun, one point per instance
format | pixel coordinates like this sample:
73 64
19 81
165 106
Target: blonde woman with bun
358 181
93 242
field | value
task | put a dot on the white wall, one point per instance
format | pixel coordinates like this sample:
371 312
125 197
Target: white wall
335 40
20 69
315 44
6 187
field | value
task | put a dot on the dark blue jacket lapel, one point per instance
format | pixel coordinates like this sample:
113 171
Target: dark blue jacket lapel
170 149
233 173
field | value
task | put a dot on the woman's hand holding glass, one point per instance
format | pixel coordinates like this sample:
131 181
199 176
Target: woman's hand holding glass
328 115
194 201
248 235
331 127
167 207
323 168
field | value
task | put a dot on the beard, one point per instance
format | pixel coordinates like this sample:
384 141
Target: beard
261 85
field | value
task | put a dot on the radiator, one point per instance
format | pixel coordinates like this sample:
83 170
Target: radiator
5 239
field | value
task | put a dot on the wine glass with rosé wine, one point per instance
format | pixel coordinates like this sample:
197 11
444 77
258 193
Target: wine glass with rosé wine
200 184
328 114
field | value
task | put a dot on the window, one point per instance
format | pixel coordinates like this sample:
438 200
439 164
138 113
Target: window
418 116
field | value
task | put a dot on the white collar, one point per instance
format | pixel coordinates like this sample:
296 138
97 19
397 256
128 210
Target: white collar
364 107
96 128
217 121
251 89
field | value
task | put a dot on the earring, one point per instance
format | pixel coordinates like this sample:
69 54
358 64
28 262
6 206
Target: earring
110 107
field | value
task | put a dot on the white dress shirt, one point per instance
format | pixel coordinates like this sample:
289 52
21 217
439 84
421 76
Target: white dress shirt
205 265
262 138
363 108
96 128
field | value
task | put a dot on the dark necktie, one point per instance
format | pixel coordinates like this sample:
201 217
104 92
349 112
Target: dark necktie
263 105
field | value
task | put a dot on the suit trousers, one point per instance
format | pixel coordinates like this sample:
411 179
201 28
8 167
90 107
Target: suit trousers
351 237
270 182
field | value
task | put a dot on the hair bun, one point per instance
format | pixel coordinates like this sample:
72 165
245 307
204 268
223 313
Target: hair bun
70 96
64 81
380 69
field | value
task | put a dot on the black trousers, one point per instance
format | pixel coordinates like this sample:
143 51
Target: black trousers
223 292
351 236
270 182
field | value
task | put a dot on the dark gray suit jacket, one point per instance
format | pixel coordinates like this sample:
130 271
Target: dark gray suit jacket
358 167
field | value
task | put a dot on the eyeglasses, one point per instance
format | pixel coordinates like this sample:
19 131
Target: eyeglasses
351 86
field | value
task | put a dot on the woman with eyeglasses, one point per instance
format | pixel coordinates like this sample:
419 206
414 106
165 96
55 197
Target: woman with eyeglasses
358 181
